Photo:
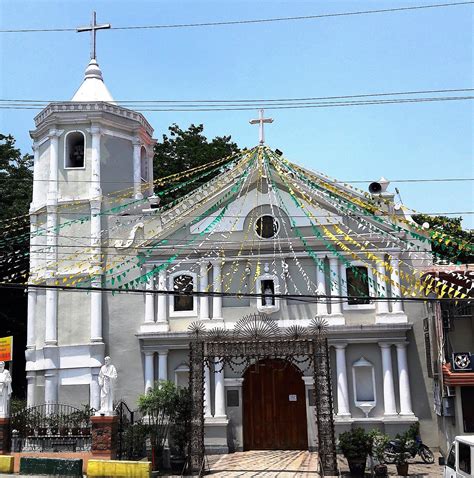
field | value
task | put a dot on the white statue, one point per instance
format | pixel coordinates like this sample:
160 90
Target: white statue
107 377
267 296
5 391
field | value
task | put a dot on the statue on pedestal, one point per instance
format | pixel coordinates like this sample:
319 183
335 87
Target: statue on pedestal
5 391
107 377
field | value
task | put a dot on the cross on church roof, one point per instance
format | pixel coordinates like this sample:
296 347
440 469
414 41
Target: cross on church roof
93 29
261 120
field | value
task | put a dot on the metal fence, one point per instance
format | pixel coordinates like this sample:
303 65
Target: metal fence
51 427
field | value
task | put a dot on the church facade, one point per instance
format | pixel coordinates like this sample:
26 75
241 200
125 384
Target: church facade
263 236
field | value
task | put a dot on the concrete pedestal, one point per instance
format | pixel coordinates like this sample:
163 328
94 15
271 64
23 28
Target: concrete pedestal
104 437
4 436
215 435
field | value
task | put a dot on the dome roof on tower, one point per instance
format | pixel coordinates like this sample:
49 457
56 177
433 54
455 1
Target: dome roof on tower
93 87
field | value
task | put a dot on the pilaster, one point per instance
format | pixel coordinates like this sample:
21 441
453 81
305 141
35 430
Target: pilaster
162 365
404 380
343 410
137 176
388 388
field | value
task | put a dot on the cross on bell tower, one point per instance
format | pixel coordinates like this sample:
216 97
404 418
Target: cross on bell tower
93 29
261 121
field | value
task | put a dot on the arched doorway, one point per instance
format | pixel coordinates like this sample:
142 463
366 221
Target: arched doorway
274 407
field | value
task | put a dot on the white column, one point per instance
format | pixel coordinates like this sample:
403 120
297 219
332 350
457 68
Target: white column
322 306
388 389
150 298
149 370
162 365
381 305
54 135
95 187
403 380
162 319
342 390
203 285
336 304
150 155
95 193
96 266
36 171
50 387
51 329
94 390
217 287
137 173
397 306
31 321
51 312
219 399
30 389
207 391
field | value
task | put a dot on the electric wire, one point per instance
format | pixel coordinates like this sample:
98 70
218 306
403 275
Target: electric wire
17 285
251 21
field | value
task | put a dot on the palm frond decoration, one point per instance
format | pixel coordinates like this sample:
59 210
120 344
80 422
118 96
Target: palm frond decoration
217 334
296 332
196 330
256 327
318 327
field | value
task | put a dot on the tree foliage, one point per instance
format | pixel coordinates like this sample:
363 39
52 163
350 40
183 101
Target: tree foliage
185 149
16 179
451 226
16 187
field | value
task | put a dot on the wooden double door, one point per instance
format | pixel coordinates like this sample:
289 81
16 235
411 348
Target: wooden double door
274 407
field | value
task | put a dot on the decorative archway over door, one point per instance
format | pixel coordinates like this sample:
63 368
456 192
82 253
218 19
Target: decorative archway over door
257 337
274 407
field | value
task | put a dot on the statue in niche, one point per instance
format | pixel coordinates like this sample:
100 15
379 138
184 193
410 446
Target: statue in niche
268 300
5 391
107 377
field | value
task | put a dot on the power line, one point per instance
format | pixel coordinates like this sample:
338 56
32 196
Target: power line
263 100
314 298
180 108
252 21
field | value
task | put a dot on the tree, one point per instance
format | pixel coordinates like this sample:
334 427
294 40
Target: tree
16 179
16 187
186 149
451 226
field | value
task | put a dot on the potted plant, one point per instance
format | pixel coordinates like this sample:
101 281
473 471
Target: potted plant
379 443
402 453
355 445
157 406
179 429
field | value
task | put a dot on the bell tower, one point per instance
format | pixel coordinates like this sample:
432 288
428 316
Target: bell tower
89 155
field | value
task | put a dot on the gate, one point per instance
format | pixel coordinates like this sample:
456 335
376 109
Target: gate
51 427
132 433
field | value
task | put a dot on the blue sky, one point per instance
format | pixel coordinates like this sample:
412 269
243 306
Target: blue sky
416 50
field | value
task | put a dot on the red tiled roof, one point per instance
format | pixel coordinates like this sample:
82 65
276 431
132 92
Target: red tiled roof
454 379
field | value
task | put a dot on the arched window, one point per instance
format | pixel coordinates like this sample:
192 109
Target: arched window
74 150
183 283
266 227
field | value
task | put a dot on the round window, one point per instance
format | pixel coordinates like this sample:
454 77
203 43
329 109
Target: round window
266 227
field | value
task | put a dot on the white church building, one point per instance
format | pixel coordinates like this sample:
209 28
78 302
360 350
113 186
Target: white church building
258 234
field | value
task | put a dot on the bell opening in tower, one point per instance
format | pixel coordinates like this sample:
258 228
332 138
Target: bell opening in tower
75 150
